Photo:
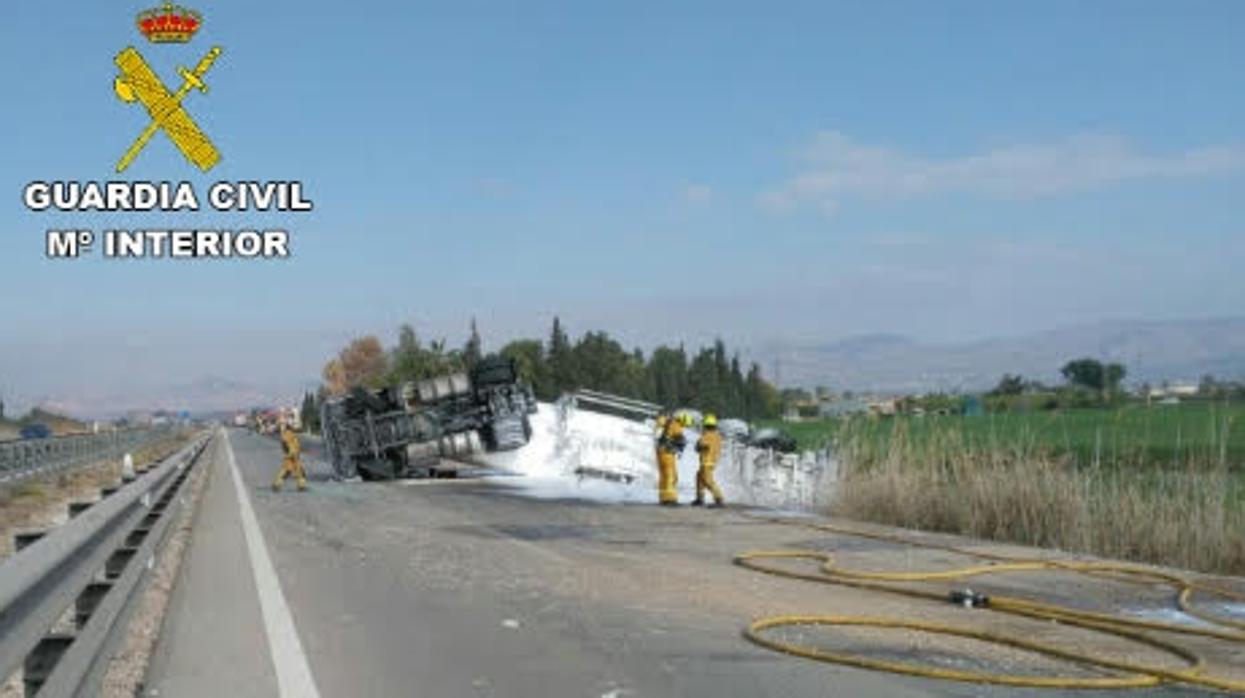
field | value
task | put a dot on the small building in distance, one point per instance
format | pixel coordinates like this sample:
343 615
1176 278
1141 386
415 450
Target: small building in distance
844 407
1176 390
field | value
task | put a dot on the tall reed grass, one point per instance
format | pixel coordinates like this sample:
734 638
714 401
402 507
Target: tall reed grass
1015 489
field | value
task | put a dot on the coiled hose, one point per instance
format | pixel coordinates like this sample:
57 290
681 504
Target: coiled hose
1136 675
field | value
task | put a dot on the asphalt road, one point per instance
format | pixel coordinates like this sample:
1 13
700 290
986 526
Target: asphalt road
467 588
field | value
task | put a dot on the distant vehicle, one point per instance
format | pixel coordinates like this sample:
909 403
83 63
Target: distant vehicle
773 439
267 422
734 429
293 417
36 431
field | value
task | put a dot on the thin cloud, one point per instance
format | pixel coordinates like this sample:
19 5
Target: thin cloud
836 168
698 194
492 186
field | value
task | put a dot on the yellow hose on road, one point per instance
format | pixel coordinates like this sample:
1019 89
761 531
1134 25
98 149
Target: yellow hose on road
1134 630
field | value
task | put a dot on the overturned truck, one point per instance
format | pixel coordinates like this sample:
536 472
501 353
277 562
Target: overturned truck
413 429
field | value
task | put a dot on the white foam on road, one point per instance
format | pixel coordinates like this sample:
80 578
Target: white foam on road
1235 610
1174 616
288 659
563 443
565 440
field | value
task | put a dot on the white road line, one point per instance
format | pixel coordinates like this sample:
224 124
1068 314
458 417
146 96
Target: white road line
288 659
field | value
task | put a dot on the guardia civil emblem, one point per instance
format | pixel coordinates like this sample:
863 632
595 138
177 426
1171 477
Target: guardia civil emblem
167 25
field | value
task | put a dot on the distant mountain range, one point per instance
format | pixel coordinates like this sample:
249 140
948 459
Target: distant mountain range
205 395
1152 351
886 363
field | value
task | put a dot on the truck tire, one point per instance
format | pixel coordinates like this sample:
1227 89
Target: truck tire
422 453
459 385
446 446
443 388
508 433
427 391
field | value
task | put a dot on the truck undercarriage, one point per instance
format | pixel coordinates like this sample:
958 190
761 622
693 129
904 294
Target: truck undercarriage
406 431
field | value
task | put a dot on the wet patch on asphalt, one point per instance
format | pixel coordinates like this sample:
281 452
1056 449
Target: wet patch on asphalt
541 532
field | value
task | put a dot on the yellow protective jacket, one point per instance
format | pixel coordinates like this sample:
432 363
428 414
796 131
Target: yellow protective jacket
290 444
672 439
709 447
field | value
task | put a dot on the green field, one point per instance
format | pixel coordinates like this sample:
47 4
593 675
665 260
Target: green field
1135 435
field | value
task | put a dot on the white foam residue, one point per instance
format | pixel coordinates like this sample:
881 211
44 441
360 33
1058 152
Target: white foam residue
1168 615
1234 610
573 451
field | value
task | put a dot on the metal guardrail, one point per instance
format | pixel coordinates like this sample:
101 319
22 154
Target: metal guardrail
22 459
629 408
92 564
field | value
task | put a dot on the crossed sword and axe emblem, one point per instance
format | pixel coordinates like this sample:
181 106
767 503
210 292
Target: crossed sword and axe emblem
138 82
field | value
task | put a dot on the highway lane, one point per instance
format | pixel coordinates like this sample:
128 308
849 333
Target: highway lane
466 588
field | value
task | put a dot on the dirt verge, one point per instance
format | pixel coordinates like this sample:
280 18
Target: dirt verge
128 669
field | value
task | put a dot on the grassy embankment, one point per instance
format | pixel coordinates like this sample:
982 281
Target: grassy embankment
1164 484
39 503
59 425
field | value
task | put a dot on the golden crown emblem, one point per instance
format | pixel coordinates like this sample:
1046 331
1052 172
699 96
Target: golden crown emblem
170 24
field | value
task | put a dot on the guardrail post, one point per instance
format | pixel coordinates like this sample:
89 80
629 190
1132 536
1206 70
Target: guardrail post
26 538
88 600
117 562
76 508
42 660
137 536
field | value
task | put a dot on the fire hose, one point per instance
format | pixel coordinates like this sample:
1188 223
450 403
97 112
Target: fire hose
1135 674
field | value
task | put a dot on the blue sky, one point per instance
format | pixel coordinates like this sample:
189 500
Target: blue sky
779 173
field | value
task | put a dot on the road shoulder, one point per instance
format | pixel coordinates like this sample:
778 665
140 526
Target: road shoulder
213 641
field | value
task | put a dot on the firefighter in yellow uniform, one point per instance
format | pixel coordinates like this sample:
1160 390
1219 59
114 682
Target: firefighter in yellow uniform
293 462
670 443
709 446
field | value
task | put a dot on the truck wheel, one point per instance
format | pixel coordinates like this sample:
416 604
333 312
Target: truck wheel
427 391
474 443
459 385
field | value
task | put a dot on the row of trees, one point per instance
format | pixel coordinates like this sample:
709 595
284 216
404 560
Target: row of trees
310 411
1219 389
1084 374
1088 383
1092 374
1095 379
711 379
707 380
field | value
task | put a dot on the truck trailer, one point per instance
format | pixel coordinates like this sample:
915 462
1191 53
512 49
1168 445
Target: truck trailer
409 430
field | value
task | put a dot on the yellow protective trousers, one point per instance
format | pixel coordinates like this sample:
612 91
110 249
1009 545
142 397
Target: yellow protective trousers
705 481
710 449
667 477
292 465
